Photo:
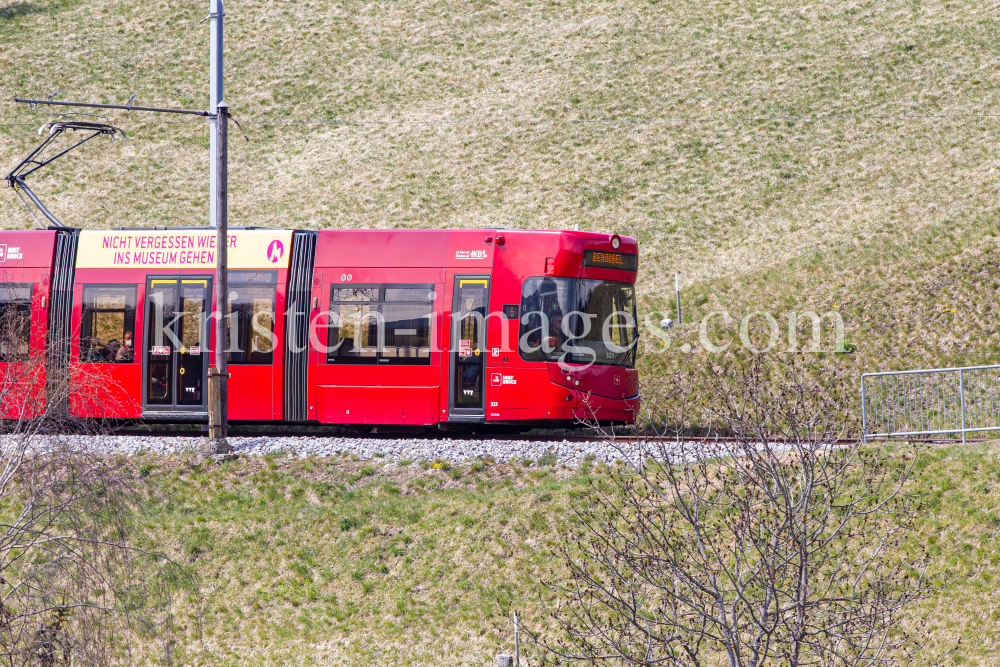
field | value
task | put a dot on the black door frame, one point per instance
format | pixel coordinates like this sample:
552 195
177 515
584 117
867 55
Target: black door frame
173 407
467 414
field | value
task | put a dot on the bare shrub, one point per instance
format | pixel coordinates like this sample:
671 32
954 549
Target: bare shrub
769 541
74 585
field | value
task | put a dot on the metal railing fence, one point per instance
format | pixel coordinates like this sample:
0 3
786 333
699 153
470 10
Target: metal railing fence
930 402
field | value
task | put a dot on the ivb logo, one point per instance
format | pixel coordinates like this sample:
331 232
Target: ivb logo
275 251
499 379
12 252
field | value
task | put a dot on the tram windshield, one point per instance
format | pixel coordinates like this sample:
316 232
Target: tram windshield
578 321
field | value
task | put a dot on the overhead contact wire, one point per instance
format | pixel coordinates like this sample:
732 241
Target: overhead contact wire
582 121
556 121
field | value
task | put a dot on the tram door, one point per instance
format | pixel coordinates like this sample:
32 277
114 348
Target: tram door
468 347
175 360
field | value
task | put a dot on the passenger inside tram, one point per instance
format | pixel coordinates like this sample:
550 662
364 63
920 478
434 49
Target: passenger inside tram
92 349
556 333
127 350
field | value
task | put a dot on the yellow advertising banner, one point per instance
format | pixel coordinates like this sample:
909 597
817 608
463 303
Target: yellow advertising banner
182 249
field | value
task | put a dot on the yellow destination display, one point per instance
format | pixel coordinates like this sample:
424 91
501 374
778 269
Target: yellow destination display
610 260
182 249
607 258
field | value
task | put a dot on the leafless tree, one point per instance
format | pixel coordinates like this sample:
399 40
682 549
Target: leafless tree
771 541
75 586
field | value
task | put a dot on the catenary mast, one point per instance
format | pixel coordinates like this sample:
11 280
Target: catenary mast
218 204
216 17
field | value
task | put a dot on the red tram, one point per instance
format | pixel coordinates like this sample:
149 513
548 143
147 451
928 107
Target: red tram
453 328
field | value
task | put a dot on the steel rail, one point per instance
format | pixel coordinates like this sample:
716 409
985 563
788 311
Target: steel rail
397 435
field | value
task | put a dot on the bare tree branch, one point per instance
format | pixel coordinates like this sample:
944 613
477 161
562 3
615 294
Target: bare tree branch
770 540
76 586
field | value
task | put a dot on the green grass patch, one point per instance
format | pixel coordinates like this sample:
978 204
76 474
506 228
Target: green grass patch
421 575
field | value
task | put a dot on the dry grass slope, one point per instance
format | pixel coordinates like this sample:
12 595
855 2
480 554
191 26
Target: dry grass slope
892 221
887 219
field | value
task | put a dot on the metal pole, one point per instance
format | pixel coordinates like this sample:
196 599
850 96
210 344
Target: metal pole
517 642
216 14
864 416
677 290
219 380
961 398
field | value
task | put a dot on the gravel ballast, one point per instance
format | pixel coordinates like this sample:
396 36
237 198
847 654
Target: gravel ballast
570 453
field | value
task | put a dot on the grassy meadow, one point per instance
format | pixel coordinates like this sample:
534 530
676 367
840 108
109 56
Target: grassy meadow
638 117
322 562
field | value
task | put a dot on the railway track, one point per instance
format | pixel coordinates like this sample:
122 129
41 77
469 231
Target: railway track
391 435
263 432
405 448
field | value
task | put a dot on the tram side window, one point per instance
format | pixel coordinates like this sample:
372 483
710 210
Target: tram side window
406 319
15 321
385 325
353 325
251 327
107 327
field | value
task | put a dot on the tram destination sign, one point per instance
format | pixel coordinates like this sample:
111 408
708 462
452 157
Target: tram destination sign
244 277
182 249
610 260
